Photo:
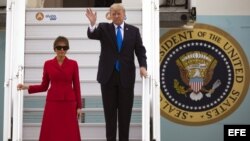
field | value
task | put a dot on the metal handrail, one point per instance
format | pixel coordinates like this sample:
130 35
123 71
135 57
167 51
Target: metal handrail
8 71
151 25
19 105
13 101
145 109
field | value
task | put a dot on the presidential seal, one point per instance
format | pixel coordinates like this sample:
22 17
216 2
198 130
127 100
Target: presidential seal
204 75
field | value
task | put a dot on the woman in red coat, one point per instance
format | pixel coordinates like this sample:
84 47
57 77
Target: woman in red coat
63 101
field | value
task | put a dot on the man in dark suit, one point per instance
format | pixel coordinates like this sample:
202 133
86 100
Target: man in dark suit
116 70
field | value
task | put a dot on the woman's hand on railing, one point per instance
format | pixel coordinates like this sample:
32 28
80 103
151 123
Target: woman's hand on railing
22 86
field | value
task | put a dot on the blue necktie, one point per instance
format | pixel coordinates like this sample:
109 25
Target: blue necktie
119 46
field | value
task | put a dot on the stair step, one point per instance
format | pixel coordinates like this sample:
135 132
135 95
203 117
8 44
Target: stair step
38 101
87 130
86 139
90 115
83 110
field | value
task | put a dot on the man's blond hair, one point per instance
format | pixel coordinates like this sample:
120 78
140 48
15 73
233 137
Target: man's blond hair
117 6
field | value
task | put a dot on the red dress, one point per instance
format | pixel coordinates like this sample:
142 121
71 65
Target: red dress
59 121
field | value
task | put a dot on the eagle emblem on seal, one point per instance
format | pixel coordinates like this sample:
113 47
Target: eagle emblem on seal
196 71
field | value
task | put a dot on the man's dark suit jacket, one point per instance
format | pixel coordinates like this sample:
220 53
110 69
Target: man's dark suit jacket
132 45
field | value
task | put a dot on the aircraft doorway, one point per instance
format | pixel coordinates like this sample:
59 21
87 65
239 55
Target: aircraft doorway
72 3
